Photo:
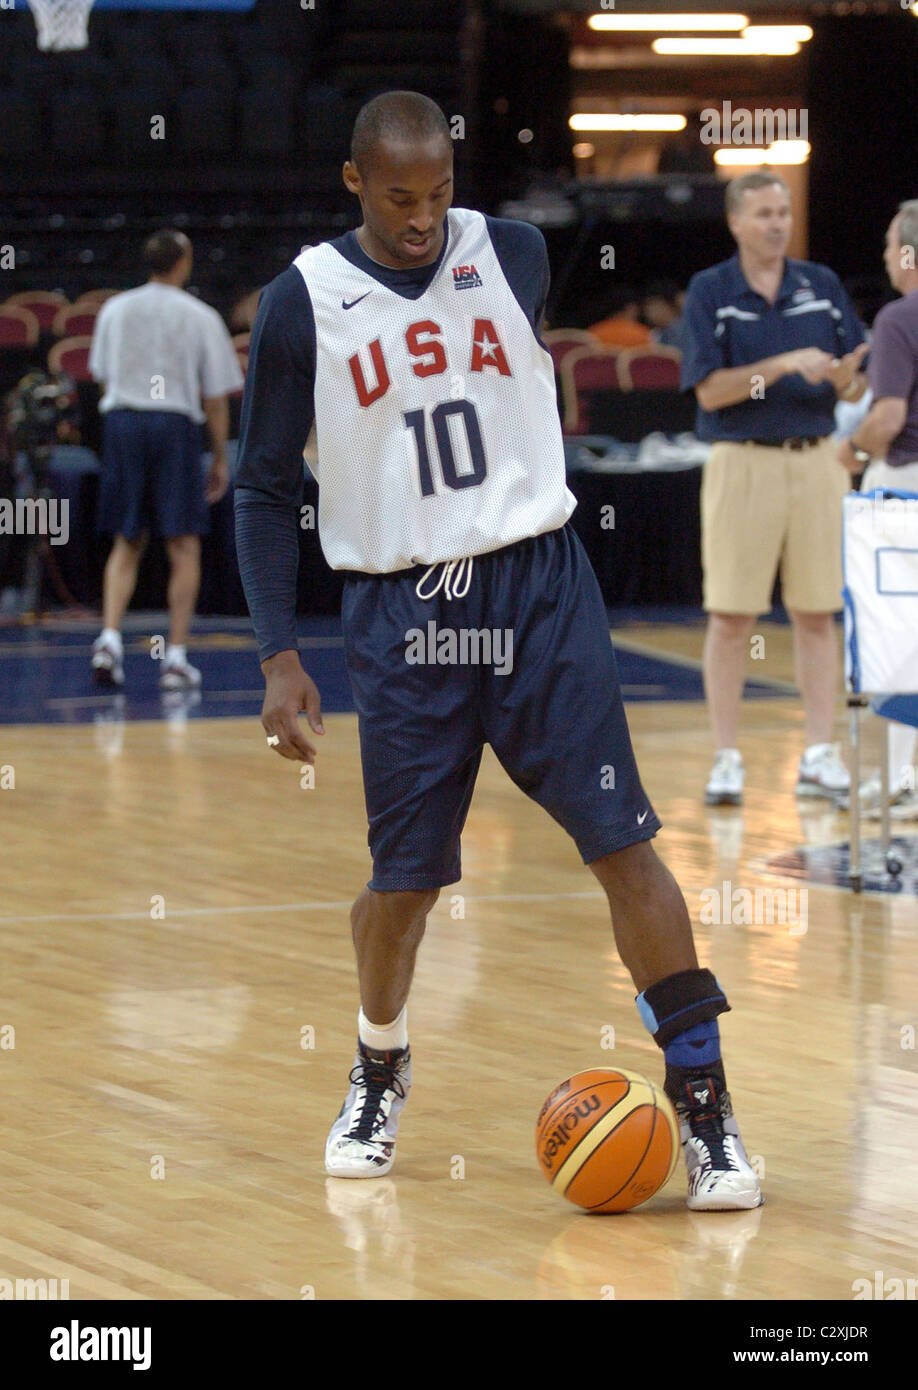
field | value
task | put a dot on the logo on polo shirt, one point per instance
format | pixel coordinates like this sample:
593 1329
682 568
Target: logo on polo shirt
465 277
800 296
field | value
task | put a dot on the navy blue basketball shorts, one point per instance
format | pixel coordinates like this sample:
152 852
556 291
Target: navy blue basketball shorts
522 661
152 477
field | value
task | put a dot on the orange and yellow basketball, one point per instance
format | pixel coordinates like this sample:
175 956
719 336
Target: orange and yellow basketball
607 1140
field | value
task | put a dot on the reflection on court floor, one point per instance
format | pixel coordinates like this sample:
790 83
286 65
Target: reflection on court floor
178 1015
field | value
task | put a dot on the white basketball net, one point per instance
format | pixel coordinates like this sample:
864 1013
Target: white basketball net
61 24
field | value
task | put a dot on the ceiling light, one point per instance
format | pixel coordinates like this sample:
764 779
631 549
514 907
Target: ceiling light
726 48
801 33
614 23
597 120
780 152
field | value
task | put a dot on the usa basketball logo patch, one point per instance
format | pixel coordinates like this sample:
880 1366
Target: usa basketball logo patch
465 277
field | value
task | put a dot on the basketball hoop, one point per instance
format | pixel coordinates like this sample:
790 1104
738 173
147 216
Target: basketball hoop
61 24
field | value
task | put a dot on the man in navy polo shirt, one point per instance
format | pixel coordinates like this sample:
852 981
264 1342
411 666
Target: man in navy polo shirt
770 345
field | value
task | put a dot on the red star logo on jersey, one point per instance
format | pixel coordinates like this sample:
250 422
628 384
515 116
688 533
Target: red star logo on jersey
487 350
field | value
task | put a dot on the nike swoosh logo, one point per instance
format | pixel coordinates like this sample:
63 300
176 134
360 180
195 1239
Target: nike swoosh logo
641 819
345 305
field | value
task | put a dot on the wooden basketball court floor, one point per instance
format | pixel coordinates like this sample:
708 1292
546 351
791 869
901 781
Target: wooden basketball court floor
179 1007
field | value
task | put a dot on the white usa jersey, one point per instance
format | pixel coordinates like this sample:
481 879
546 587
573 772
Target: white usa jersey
437 428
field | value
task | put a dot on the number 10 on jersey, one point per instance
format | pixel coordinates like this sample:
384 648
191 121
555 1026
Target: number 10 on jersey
449 418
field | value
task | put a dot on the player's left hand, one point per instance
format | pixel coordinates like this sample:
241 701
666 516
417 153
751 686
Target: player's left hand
217 479
844 369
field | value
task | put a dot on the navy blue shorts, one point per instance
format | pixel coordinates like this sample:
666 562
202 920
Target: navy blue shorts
152 476
549 705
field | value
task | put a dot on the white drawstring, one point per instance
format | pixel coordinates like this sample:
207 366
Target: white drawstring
446 575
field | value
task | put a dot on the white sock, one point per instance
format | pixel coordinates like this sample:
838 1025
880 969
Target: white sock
384 1037
176 654
112 637
901 755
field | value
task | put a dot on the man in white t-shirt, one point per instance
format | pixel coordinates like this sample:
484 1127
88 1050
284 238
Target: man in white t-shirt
166 364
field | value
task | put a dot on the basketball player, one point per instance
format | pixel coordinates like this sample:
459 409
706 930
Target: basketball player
413 343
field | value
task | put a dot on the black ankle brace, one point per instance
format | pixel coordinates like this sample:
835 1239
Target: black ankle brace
678 1002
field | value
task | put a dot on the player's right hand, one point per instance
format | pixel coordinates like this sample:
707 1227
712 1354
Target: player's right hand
288 692
812 363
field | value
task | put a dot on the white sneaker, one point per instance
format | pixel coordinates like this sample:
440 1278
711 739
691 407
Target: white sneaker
725 784
822 772
720 1176
361 1142
179 675
107 663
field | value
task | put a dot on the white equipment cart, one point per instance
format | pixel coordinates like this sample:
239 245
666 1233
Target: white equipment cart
880 565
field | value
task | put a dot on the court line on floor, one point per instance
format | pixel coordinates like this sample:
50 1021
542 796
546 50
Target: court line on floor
141 647
630 644
343 905
280 907
217 696
62 701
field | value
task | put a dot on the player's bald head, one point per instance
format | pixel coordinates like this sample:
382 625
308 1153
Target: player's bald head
397 120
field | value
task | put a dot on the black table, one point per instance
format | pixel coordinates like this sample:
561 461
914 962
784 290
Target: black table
651 555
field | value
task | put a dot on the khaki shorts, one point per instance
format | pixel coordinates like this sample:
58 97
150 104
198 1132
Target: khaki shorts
879 473
763 507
